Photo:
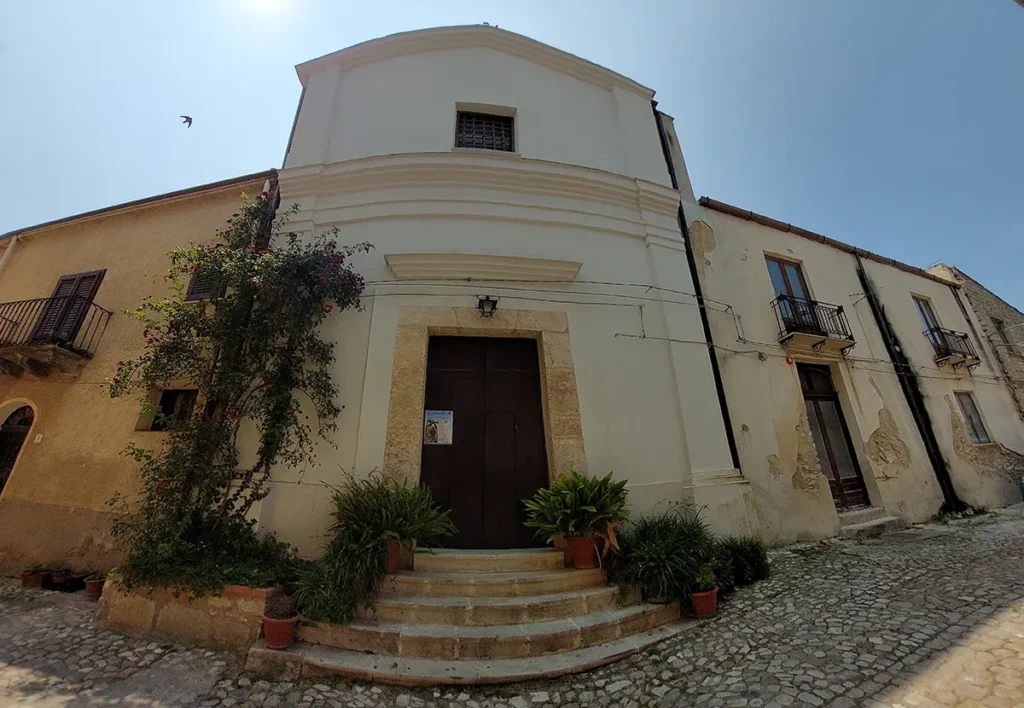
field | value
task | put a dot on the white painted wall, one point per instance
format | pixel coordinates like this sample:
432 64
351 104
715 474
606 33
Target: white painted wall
407 104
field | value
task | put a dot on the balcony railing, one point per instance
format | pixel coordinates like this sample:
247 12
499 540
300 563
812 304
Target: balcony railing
953 347
72 322
817 319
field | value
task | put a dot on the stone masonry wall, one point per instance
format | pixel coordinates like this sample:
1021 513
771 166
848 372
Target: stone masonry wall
987 305
231 620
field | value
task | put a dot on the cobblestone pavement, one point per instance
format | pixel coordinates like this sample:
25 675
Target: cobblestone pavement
933 616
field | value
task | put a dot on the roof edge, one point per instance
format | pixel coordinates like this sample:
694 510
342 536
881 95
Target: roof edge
465 36
145 201
820 238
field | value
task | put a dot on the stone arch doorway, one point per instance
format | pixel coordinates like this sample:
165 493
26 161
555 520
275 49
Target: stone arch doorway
13 431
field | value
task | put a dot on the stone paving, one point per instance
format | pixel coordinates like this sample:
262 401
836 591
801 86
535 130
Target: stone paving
933 616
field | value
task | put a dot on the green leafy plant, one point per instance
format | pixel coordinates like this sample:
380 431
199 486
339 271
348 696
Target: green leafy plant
368 513
392 509
247 353
743 560
664 552
579 505
705 579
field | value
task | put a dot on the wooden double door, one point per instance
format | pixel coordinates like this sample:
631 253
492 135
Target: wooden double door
496 456
832 437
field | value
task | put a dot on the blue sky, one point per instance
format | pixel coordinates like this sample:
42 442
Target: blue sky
896 125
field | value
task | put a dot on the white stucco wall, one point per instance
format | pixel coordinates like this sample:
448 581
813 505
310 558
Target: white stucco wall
372 154
407 104
792 498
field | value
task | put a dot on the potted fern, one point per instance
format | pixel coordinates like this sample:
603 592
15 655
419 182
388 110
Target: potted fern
583 510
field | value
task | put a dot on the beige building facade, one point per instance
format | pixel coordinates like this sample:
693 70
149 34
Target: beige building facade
545 294
63 289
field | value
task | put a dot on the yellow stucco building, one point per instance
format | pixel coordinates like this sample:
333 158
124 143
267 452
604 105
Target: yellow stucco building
63 287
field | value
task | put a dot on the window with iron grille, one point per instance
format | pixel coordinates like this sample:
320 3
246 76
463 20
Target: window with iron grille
484 131
206 284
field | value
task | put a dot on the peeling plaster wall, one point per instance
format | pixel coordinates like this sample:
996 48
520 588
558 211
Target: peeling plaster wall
998 469
777 454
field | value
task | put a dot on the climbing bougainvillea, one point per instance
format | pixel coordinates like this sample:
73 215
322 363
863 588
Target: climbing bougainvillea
253 353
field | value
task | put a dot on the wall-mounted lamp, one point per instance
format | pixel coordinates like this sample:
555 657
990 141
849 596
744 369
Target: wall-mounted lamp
487 305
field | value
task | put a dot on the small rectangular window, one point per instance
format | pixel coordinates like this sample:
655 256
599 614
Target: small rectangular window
1004 340
484 132
924 309
175 407
205 285
975 426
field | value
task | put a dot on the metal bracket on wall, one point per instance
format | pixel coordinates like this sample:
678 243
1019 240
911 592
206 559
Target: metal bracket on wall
818 346
846 350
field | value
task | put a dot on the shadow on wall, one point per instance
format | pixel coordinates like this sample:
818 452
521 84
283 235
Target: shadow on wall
55 536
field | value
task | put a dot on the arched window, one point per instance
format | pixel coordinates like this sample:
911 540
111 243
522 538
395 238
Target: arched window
12 436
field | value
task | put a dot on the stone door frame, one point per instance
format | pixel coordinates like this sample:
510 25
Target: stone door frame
563 430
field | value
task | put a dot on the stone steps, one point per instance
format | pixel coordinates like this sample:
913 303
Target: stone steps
460 561
861 516
870 529
489 611
516 641
418 582
313 661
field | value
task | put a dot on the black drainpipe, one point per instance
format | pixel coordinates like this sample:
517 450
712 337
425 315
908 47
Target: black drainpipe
911 392
715 371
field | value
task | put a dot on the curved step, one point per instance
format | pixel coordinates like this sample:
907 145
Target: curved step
311 660
442 641
471 561
491 584
489 611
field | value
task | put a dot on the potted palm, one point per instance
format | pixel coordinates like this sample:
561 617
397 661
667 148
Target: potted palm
584 511
705 594
400 514
280 620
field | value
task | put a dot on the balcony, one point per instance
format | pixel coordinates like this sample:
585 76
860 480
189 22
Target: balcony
816 326
953 348
49 335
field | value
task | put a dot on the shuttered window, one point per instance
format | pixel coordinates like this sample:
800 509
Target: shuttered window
975 426
63 313
205 285
484 131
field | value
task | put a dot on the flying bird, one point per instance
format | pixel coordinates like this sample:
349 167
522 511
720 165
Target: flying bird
187 120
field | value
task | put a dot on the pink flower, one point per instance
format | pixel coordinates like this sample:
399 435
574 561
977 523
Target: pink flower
160 484
328 308
117 379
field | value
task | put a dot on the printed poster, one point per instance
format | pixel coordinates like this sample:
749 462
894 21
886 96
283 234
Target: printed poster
437 428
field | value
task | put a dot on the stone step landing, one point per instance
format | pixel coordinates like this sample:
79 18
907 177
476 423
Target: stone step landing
478 617
510 641
303 660
870 529
861 516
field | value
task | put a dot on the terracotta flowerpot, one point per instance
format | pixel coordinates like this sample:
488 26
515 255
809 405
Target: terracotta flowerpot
32 579
705 604
94 588
279 633
394 556
583 550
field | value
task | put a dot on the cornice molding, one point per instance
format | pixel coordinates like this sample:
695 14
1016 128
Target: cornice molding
478 266
478 172
470 37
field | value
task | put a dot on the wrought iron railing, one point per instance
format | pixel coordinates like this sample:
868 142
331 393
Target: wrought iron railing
950 345
796 315
71 322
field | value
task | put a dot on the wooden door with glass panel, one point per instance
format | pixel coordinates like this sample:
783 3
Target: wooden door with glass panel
794 300
831 437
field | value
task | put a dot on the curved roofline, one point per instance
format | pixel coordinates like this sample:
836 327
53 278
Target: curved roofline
470 36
